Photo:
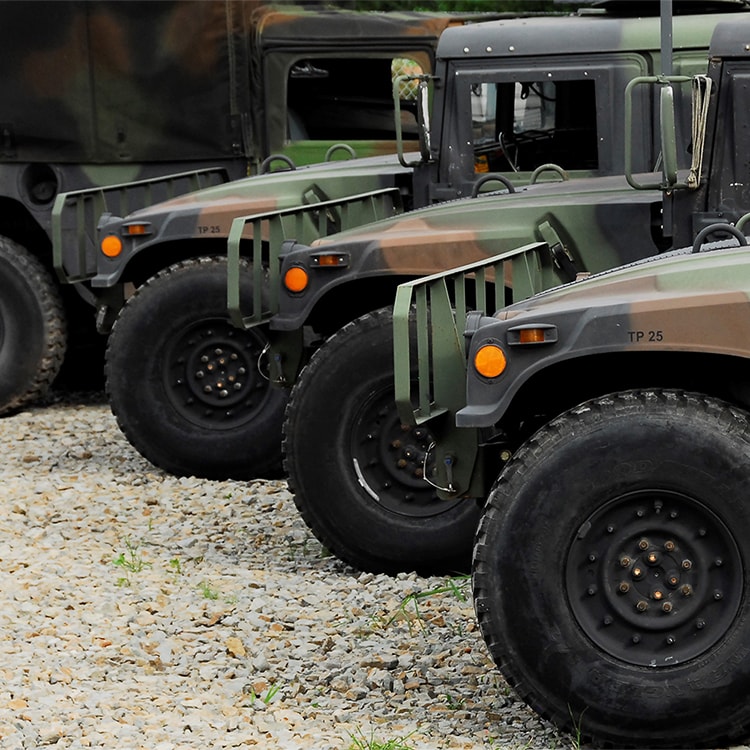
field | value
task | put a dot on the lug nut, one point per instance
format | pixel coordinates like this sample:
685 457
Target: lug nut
624 561
687 564
624 587
642 605
666 607
686 590
637 573
643 544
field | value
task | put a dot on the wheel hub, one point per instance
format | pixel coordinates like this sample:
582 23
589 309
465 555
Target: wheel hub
654 578
212 375
390 459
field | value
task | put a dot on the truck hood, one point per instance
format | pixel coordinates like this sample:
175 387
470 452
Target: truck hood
282 189
479 216
679 274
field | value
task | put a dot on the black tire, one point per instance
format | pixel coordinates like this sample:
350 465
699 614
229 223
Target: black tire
610 571
343 443
171 343
32 327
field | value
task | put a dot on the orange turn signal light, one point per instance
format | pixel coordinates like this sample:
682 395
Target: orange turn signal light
531 336
330 260
490 361
296 279
137 229
111 246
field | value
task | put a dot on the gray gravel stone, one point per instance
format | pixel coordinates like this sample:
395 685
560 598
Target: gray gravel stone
140 610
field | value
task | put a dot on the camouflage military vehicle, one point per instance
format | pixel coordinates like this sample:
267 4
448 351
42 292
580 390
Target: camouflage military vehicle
103 92
510 97
612 417
358 471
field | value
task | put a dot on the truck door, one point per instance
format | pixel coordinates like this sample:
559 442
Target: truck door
322 100
513 119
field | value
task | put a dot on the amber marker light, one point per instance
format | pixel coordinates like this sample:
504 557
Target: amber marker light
111 246
296 279
531 336
490 361
330 260
134 230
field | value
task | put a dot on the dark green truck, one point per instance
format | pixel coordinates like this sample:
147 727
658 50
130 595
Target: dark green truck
108 91
513 101
606 432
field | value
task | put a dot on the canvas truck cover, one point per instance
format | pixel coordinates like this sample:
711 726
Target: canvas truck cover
108 82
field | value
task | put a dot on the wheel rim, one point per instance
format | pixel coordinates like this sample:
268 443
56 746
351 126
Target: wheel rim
654 578
388 458
211 375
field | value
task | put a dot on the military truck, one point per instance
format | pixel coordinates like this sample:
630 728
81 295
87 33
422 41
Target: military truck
358 472
509 98
612 421
101 93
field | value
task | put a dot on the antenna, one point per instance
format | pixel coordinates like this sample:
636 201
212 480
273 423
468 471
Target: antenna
666 37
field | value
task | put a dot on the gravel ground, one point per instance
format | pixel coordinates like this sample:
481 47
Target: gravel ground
139 610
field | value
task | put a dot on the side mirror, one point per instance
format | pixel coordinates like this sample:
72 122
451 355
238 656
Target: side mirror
423 116
667 131
668 135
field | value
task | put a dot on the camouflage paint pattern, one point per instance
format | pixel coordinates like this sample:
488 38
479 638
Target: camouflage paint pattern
168 80
601 213
205 215
681 302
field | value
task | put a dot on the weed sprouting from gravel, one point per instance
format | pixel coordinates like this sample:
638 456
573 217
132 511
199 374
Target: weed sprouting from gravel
131 561
360 742
409 608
